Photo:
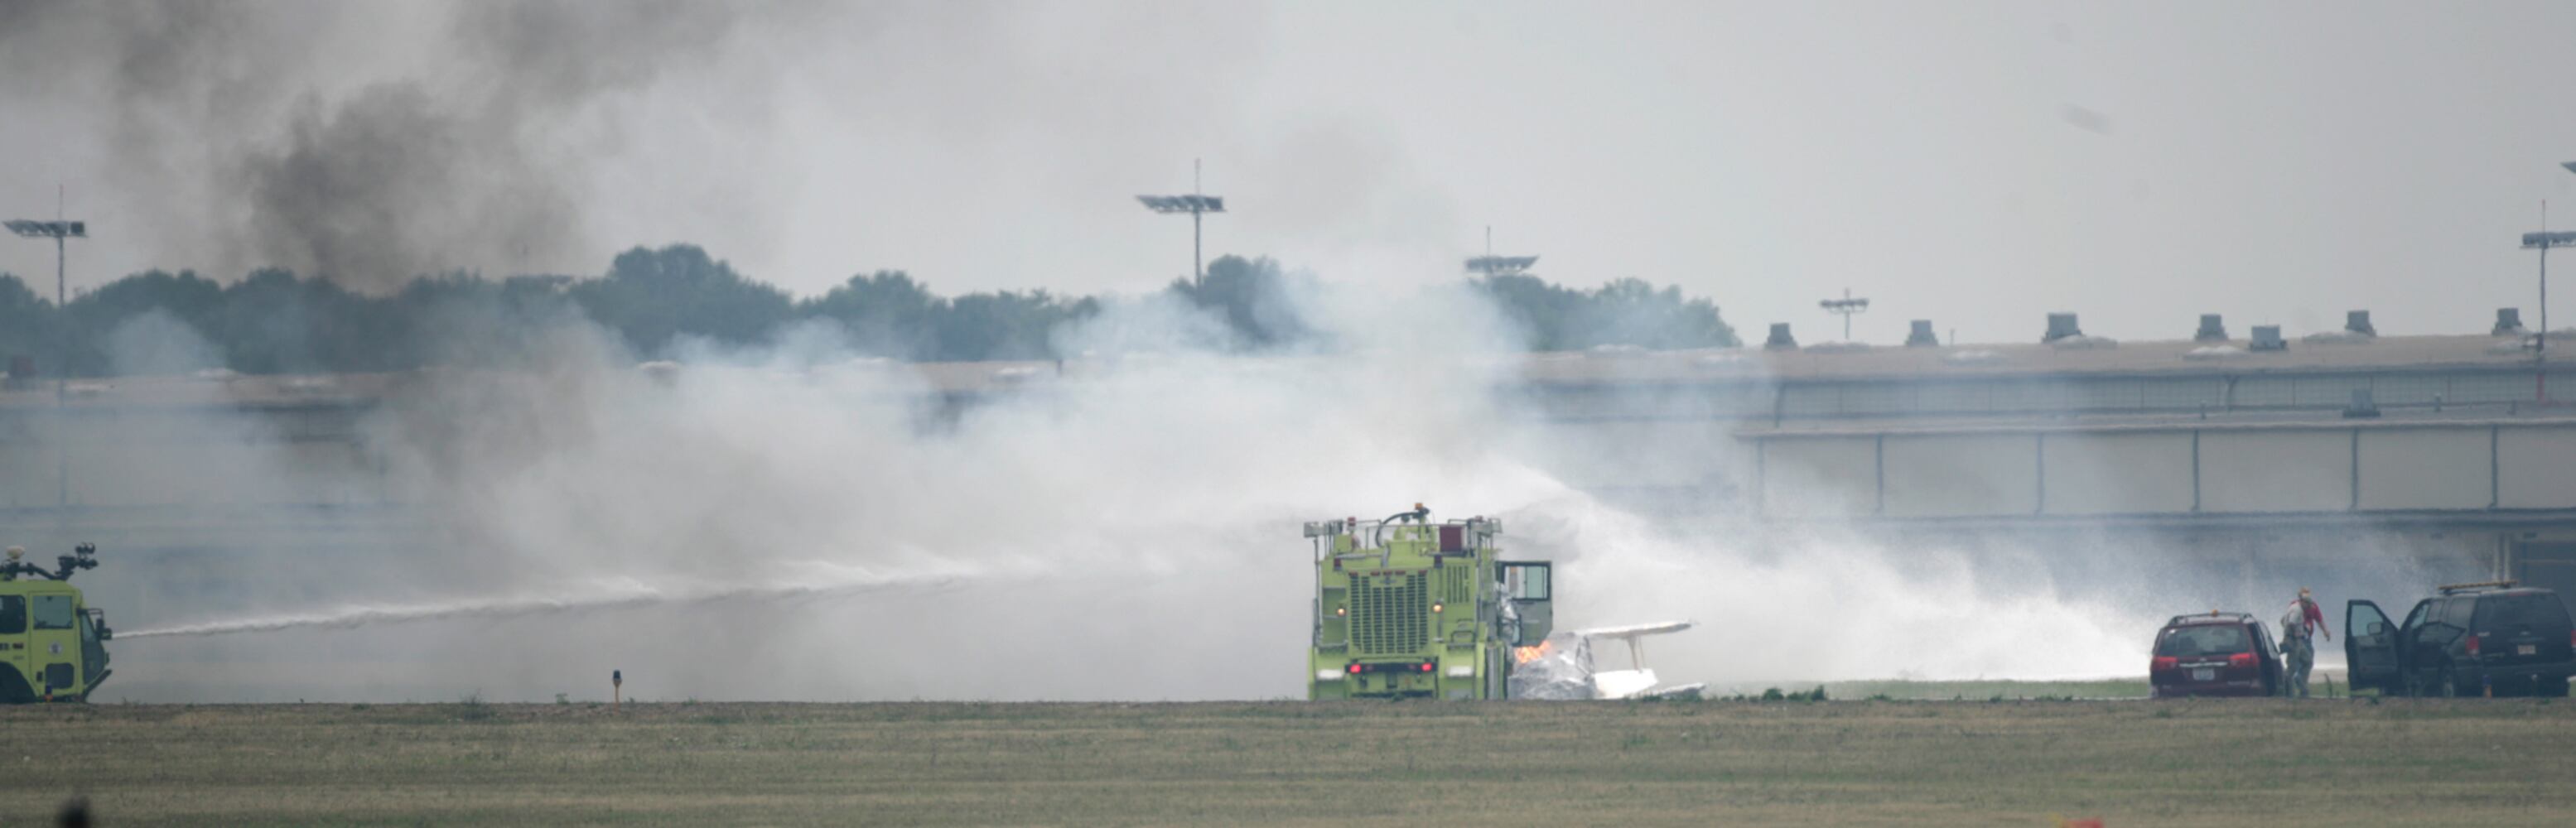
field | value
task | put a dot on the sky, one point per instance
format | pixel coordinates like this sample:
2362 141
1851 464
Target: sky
1975 164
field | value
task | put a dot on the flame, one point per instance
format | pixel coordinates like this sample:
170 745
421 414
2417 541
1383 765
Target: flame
1525 655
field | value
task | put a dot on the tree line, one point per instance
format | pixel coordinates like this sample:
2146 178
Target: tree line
274 321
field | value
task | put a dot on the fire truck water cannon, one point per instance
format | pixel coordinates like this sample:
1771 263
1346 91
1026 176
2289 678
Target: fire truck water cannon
63 566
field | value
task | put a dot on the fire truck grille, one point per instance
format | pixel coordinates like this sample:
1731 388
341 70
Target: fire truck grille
1390 614
1457 586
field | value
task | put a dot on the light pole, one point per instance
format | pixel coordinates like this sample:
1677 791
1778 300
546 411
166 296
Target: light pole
1845 307
2542 241
1195 205
60 231
1492 265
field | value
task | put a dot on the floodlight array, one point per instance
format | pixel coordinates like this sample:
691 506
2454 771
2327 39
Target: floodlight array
1501 264
50 229
2559 239
1184 203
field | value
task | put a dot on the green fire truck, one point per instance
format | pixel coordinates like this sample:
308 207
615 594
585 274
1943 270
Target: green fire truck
1408 608
52 649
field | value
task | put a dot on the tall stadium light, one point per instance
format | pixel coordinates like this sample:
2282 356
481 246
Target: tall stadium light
1500 265
57 230
2542 241
60 231
1846 308
1492 265
1196 205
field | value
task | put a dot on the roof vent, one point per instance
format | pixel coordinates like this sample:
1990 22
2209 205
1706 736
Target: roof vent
2061 326
1780 338
2508 322
1921 336
2356 331
2211 330
2267 338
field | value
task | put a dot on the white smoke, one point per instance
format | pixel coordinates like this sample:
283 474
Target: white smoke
794 522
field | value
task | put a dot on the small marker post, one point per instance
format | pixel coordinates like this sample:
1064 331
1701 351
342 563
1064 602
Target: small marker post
616 696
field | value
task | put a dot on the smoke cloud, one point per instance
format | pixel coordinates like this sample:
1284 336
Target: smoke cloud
795 521
367 144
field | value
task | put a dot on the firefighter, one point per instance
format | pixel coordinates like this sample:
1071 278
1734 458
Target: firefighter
2297 648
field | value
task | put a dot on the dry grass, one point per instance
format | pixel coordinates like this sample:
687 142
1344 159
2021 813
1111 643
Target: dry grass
2267 762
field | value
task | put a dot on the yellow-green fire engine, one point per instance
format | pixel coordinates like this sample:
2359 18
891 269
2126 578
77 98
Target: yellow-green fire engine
51 647
1409 608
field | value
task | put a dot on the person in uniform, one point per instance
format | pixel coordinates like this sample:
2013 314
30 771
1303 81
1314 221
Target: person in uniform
2298 649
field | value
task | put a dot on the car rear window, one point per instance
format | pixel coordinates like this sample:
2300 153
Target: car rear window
2206 639
2506 612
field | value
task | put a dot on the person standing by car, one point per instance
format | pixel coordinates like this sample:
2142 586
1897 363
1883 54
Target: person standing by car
2297 649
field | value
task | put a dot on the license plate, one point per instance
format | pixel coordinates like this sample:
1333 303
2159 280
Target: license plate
2526 649
2204 674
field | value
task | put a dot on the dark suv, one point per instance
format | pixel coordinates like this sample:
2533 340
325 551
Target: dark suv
2218 654
2467 640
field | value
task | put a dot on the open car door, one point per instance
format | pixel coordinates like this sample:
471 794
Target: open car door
2370 647
1525 584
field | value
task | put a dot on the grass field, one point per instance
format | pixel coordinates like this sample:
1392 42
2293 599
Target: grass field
2248 762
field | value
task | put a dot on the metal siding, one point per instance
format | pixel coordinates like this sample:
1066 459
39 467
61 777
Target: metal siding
2489 387
1876 398
2406 389
2276 471
1955 475
2110 474
2536 468
1820 477
1952 397
2261 391
2428 468
2180 394
1810 400
2117 393
2327 391
2028 395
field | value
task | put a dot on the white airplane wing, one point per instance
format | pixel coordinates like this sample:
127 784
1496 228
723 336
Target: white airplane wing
1632 631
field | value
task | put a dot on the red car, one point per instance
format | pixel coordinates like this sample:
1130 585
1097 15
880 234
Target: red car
2216 654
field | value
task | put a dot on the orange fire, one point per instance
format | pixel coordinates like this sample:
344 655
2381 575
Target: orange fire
1525 655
